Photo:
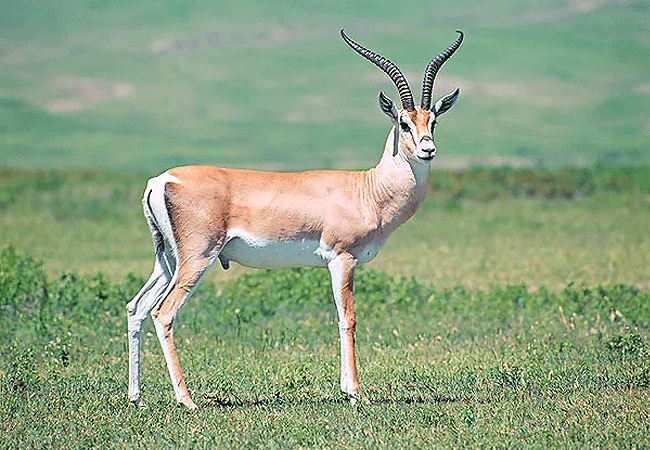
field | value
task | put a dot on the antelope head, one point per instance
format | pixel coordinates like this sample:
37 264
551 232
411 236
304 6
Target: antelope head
414 126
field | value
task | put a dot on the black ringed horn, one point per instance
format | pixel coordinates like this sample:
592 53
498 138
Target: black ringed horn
432 70
389 68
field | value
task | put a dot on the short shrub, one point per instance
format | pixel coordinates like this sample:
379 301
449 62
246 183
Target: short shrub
23 284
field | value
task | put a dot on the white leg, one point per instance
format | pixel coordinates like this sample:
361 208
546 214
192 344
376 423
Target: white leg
137 311
342 272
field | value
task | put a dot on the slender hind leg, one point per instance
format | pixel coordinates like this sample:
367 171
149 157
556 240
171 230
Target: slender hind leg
137 311
187 279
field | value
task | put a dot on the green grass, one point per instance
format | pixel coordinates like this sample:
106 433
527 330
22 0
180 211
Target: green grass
439 367
526 324
151 86
517 319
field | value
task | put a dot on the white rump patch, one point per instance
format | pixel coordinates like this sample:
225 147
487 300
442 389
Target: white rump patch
156 209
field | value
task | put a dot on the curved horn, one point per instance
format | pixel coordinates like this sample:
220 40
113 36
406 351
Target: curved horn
432 70
389 68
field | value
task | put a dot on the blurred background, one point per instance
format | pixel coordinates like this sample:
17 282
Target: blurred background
142 86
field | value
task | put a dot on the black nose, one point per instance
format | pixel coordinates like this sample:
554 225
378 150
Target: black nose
430 155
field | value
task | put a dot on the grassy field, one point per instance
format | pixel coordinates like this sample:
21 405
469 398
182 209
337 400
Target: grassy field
525 325
512 311
141 87
440 368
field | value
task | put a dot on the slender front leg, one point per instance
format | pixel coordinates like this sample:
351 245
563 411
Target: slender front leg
342 271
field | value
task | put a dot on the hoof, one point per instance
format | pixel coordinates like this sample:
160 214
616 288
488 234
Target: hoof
188 403
139 403
357 399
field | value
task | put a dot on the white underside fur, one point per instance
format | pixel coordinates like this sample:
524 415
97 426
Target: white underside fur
253 251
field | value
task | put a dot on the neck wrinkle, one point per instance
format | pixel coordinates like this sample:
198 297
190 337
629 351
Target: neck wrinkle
397 187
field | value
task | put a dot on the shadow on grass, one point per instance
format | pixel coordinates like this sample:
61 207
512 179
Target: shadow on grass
213 401
434 400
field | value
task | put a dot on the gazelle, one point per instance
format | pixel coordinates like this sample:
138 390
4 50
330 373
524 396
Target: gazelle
333 219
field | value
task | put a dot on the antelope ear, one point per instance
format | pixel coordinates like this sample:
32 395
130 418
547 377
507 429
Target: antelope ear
445 103
388 107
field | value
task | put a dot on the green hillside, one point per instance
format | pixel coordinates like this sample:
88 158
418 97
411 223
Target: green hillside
143 85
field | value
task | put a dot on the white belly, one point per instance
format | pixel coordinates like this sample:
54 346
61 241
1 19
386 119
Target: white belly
252 251
367 252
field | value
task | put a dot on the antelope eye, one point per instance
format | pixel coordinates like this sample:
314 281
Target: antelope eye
405 127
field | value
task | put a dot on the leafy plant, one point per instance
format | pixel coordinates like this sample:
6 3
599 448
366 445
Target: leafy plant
627 345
